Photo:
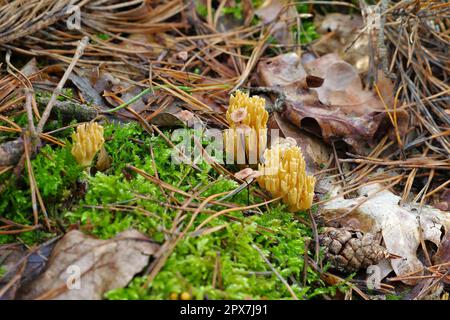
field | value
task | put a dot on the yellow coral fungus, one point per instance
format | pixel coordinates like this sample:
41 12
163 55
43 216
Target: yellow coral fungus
87 141
256 115
247 135
283 174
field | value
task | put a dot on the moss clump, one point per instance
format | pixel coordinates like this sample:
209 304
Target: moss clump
56 174
3 271
191 267
244 274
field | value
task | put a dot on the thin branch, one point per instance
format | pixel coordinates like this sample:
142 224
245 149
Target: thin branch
79 52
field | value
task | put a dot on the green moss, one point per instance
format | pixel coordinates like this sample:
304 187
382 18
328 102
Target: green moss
244 274
3 271
202 10
56 174
236 11
308 32
66 93
103 36
56 171
191 267
20 119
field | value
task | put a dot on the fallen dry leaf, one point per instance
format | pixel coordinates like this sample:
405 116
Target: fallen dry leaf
21 266
315 152
270 10
87 91
342 86
104 90
102 265
443 254
401 227
174 116
339 109
341 34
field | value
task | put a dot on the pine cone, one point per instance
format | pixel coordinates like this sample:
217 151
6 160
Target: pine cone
348 253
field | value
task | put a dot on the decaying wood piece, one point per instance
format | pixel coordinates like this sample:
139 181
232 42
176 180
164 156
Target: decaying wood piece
71 110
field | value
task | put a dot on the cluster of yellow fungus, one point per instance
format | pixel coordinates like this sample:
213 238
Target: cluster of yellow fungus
182 296
283 174
247 136
87 141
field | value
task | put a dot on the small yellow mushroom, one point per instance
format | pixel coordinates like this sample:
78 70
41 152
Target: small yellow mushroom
87 141
103 160
283 174
247 135
185 296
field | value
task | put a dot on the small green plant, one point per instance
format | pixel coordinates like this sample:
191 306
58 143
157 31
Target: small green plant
67 93
56 174
20 119
103 36
202 10
307 33
235 11
3 271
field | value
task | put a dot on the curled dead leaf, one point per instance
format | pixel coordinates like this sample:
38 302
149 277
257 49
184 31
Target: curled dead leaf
278 12
315 152
343 34
340 109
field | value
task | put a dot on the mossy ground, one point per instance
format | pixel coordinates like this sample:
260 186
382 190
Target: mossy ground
74 197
